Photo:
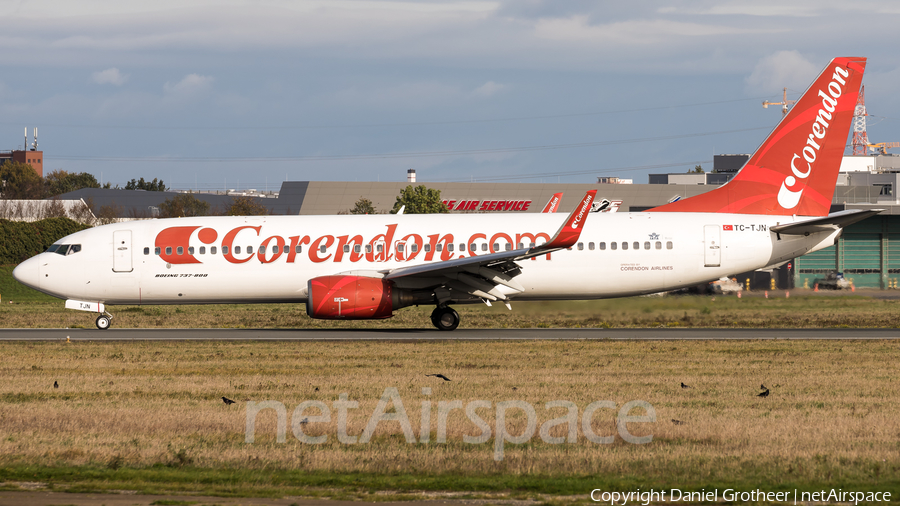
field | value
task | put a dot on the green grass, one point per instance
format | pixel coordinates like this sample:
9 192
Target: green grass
10 289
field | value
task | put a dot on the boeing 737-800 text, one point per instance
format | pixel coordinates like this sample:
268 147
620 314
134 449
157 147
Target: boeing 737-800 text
366 267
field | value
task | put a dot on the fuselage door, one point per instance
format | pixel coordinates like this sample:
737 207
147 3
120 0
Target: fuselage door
122 251
712 245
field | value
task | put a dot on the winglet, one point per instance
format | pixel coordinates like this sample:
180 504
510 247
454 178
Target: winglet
568 234
553 204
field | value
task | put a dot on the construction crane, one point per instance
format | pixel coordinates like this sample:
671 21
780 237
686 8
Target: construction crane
882 147
784 103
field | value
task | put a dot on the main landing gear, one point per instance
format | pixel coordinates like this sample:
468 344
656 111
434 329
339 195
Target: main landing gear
445 318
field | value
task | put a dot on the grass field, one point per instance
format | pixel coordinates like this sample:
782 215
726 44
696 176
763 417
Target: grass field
148 417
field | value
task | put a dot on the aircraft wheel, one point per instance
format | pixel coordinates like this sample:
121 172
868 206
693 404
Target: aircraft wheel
445 318
103 322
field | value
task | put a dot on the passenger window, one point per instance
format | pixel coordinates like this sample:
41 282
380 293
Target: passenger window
647 245
580 246
440 247
462 247
168 250
591 246
368 248
346 248
427 248
507 247
484 247
450 247
602 246
146 251
400 246
180 250
658 245
414 247
156 251
212 250
224 250
202 250
531 245
379 248
669 245
636 245
237 250
250 250
521 246
624 245
285 249
298 249
357 248
275 249
613 245
190 250
322 249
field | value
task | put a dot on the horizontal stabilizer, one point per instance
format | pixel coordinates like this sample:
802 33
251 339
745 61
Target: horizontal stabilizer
831 222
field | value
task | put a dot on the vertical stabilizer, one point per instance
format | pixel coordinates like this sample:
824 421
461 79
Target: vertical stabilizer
795 170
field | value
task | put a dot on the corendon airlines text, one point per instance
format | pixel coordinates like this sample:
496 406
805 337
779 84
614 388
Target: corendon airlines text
272 248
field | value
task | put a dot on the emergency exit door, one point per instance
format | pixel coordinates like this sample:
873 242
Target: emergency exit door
122 251
712 244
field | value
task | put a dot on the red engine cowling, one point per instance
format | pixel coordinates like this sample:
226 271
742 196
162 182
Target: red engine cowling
349 298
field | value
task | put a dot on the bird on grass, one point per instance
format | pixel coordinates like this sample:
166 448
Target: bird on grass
764 394
677 422
762 387
684 386
55 384
317 389
227 401
439 376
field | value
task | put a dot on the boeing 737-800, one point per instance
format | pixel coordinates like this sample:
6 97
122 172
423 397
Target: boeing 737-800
366 267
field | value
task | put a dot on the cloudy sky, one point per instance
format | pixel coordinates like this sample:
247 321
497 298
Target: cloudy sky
243 94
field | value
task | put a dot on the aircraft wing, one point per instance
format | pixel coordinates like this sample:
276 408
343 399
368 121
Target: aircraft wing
479 275
831 222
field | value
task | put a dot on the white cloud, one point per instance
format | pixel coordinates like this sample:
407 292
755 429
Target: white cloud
781 69
109 76
192 83
488 89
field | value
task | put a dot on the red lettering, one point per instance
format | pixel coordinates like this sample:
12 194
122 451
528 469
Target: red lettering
473 205
434 240
471 240
500 235
462 206
386 240
314 248
344 241
410 240
295 241
229 240
261 254
525 205
484 205
517 206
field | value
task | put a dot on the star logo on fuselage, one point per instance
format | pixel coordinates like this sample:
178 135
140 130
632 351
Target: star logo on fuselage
654 237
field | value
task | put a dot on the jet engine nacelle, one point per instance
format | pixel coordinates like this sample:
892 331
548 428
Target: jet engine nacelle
358 298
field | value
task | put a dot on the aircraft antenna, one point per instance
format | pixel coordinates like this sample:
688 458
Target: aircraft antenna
860 138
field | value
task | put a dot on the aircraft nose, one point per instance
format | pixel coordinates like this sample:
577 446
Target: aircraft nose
28 273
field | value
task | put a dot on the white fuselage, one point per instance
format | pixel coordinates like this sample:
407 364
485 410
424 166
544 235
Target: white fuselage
120 263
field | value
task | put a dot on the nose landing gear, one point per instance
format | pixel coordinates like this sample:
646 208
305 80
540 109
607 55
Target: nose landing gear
445 318
104 321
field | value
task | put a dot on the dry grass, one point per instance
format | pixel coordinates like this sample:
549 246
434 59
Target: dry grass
832 416
798 311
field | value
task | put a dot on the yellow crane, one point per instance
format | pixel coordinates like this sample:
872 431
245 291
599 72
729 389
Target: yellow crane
883 146
784 103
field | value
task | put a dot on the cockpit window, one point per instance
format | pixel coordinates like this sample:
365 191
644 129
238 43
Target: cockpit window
64 249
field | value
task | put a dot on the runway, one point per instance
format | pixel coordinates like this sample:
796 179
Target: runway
435 335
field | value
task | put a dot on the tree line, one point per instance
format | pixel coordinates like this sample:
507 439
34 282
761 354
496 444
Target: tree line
19 181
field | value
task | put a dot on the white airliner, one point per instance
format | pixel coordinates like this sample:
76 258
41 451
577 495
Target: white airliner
367 267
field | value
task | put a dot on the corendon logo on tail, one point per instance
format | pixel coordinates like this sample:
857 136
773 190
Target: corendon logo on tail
791 189
584 208
241 244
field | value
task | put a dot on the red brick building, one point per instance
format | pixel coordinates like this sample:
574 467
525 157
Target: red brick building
33 158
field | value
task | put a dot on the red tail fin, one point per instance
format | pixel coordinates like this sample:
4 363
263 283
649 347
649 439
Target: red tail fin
795 170
553 204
